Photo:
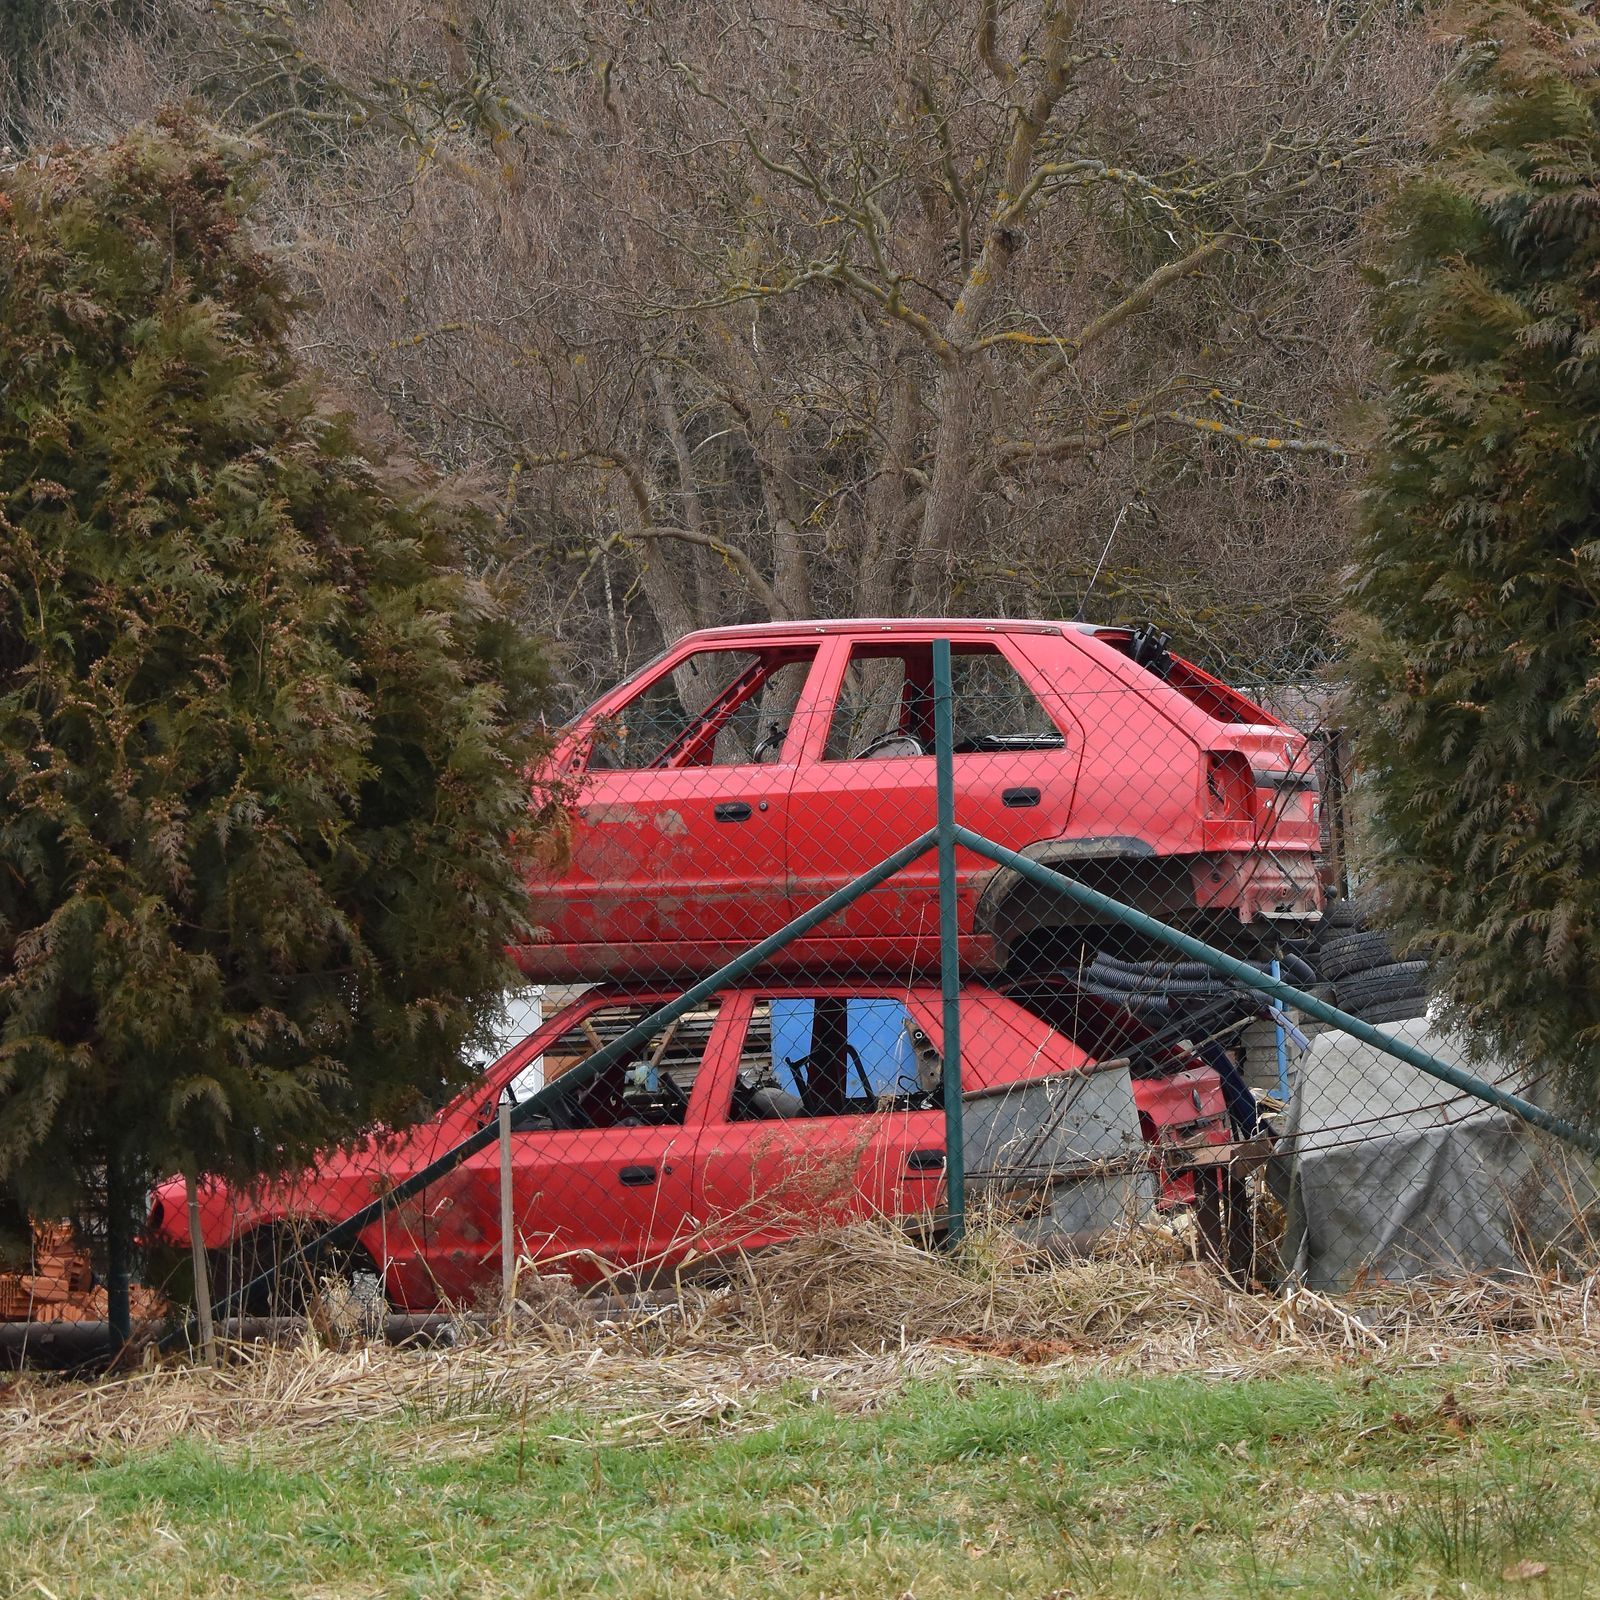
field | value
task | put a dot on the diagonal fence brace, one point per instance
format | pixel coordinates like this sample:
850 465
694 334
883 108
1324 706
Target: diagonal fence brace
1252 977
554 1095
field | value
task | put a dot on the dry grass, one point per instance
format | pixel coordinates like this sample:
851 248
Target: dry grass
1141 1305
854 1316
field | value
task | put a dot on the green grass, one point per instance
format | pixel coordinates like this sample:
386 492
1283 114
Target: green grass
1369 1484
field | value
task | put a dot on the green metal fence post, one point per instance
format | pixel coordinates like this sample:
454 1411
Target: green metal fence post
955 1175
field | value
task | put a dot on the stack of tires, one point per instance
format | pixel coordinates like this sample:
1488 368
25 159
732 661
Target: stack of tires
1367 980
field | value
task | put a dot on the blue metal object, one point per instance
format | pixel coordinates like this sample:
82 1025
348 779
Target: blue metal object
944 738
877 1030
1283 1046
1255 978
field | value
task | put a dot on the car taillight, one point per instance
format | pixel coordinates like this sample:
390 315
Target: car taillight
1230 787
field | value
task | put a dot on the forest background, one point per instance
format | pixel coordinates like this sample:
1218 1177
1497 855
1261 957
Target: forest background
750 309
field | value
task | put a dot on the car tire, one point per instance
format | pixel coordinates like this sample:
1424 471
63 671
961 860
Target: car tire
1397 981
235 1269
1353 952
1341 916
1402 1010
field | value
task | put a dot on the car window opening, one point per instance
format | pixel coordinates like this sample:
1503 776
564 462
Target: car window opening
885 705
650 1087
832 1056
1147 649
716 708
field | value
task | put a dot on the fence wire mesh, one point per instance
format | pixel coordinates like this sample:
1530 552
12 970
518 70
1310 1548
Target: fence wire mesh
660 1125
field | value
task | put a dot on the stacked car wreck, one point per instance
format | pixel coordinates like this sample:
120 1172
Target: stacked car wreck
730 786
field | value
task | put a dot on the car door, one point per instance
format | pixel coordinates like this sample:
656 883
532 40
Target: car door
677 798
818 1118
608 1193
865 781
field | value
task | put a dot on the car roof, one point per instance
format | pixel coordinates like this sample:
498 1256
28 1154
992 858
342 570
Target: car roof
891 625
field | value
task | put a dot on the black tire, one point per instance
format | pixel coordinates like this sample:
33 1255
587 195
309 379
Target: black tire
1398 981
1354 952
1342 915
1296 969
1402 1010
239 1268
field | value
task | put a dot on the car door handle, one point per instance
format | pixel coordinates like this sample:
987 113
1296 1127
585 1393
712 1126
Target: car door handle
1016 798
919 1161
731 811
637 1177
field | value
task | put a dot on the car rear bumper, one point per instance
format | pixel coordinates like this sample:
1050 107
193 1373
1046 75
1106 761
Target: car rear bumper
1259 885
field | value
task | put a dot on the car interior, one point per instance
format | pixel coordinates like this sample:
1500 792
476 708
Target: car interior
832 1056
885 705
727 707
717 708
648 1088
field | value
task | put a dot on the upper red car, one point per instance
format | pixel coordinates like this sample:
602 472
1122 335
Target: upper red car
748 772
773 1109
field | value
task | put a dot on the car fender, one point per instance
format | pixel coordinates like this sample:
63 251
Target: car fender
1000 882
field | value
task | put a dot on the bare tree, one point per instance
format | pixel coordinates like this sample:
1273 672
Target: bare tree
768 308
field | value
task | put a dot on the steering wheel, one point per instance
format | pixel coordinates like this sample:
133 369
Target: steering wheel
881 744
773 741
800 1066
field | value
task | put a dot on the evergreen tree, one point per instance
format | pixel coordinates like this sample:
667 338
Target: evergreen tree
261 748
1476 634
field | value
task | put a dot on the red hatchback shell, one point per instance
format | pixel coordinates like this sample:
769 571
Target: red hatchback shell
679 848
594 1202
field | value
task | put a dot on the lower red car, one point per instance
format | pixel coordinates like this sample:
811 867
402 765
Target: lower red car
774 1109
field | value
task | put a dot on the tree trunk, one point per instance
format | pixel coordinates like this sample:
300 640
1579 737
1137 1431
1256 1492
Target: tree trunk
121 1200
949 503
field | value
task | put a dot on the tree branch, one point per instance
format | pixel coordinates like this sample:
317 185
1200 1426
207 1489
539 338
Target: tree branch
735 557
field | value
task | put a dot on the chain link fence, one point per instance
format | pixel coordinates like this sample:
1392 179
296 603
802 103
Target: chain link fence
776 986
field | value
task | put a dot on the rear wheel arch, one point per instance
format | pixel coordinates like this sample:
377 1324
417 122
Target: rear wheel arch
271 1249
1023 918
1031 928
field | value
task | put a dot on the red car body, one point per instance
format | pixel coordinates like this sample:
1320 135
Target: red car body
659 1180
748 772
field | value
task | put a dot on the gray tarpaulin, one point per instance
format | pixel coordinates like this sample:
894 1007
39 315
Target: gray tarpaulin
1393 1174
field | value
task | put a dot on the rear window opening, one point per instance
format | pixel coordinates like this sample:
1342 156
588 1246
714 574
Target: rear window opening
1147 648
885 704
